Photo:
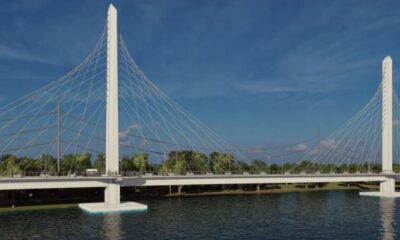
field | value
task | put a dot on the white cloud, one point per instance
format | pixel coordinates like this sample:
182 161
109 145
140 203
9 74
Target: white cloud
123 135
329 143
301 147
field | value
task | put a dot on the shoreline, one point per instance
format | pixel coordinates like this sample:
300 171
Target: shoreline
283 189
280 188
38 207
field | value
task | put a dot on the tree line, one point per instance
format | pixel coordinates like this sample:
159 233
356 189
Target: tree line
177 163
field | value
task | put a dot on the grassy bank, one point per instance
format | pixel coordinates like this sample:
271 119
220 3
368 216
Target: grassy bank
38 207
283 188
135 194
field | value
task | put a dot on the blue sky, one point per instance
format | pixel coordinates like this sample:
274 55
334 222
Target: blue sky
258 73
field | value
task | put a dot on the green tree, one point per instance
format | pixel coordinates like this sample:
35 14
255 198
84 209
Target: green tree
179 167
28 165
126 164
163 169
197 161
82 162
258 165
48 164
140 162
10 166
175 163
67 164
100 163
274 168
221 162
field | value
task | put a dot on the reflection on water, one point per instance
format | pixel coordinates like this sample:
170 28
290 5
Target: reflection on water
312 215
112 226
387 209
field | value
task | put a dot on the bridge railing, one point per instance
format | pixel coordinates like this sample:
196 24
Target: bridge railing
187 173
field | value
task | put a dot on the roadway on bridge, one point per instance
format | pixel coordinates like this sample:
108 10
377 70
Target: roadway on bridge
52 182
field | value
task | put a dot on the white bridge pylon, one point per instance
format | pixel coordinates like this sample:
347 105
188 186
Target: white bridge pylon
387 188
387 115
112 193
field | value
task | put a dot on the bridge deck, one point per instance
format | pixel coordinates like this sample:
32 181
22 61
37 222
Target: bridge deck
100 181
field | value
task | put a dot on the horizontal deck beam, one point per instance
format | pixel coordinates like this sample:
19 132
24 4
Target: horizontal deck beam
248 179
92 182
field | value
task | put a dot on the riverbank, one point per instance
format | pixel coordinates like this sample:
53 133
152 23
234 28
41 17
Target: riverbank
283 188
39 207
142 194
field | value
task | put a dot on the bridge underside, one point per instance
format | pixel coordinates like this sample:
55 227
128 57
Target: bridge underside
249 179
92 182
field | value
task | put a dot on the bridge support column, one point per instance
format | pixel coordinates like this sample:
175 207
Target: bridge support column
112 203
112 193
387 188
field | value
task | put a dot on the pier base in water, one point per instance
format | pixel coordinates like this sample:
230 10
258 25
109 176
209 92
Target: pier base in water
103 208
381 194
387 189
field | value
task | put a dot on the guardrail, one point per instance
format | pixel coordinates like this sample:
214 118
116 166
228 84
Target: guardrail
139 174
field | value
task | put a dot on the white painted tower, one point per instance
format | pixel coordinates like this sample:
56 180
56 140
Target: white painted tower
387 116
112 144
112 193
387 188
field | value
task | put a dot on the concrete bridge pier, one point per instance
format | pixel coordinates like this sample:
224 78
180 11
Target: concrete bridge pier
112 194
112 201
387 188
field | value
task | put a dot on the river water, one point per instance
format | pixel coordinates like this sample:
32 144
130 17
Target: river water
307 215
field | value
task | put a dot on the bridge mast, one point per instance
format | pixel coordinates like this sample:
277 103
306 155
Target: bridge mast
112 192
387 188
112 143
387 124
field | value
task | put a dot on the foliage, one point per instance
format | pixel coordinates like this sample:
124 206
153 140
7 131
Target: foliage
140 162
100 163
177 162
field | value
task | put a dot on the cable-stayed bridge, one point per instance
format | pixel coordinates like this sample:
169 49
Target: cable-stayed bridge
106 114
